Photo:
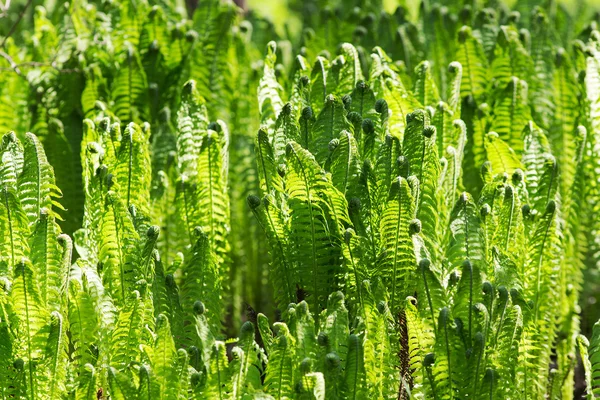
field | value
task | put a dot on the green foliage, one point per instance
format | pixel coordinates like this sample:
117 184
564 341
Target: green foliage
411 199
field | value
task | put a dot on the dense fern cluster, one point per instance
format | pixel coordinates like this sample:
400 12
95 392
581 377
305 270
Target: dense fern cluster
357 188
405 204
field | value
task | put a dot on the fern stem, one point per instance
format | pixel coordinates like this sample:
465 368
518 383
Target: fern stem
396 250
29 333
431 382
357 283
428 293
287 269
510 220
447 346
129 168
313 233
470 266
10 225
539 267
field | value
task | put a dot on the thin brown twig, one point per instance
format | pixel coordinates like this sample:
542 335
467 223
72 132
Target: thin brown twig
13 66
33 64
14 27
62 71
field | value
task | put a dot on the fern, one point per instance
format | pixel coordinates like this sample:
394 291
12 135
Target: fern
130 88
416 212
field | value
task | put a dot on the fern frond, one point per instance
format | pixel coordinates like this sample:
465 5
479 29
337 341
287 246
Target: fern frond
129 89
192 123
397 258
37 186
53 378
502 158
132 170
471 55
466 238
510 57
163 358
279 380
330 123
46 258
246 366
269 90
213 202
116 244
209 60
128 332
583 345
14 224
283 270
318 212
425 89
31 316
270 180
511 113
202 281
419 148
345 164
349 73
12 155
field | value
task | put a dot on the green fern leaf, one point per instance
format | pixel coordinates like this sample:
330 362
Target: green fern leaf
286 129
32 316
192 123
582 345
121 384
318 214
86 383
52 381
563 126
13 221
279 380
47 259
471 55
510 57
330 123
37 187
11 151
465 241
350 72
129 89
502 158
270 180
354 385
132 169
115 246
269 97
425 90
319 82
397 260
401 102
209 59
344 165
201 281
213 202
246 364
283 270
420 150
511 113
163 358
127 333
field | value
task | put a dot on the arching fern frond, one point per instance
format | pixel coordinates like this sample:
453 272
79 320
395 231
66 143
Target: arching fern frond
129 89
37 187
